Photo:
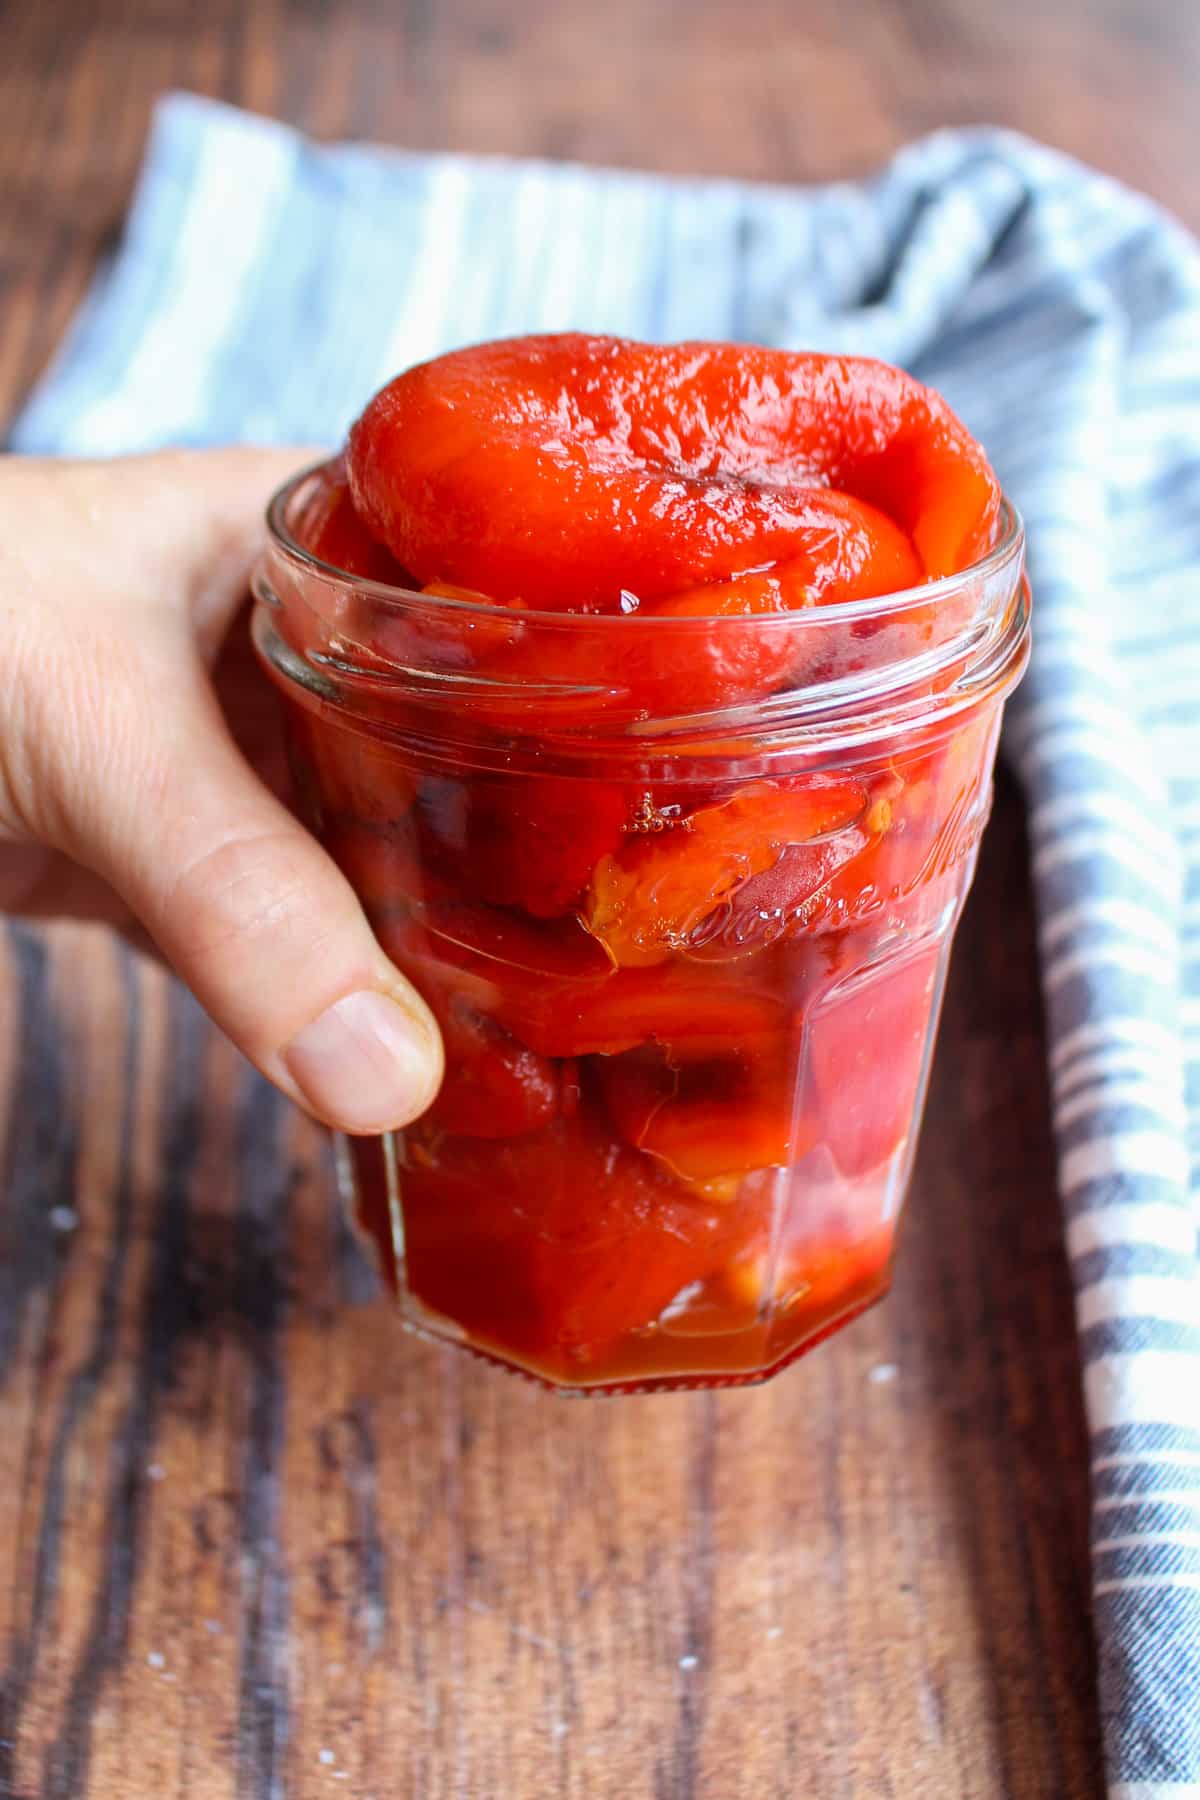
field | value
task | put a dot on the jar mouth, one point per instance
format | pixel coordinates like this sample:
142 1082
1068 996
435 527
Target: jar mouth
1008 548
516 677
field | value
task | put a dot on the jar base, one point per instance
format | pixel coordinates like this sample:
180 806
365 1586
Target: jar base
685 1382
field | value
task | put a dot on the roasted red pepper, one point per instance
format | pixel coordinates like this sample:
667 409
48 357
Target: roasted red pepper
558 1245
712 1122
330 528
686 979
529 842
661 888
564 471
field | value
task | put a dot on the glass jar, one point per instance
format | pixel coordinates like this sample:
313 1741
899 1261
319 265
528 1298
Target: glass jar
681 894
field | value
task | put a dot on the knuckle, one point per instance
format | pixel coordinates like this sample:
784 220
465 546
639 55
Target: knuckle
245 891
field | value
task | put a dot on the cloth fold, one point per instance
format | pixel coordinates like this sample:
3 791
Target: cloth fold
265 286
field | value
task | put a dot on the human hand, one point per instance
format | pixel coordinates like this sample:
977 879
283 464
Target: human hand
141 772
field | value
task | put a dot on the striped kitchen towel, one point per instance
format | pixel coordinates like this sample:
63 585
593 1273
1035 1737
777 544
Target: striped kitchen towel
265 287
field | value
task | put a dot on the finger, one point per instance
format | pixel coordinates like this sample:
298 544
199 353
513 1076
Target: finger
252 913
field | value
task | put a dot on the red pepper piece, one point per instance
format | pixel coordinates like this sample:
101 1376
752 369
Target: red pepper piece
329 527
809 1280
926 811
528 841
654 894
493 1087
347 774
562 470
557 1244
866 1055
939 808
533 671
673 663
692 664
810 887
553 988
712 1120
385 868
881 561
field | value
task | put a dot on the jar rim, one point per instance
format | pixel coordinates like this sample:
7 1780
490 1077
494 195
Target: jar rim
1008 547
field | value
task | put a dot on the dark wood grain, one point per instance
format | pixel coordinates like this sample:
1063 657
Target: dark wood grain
255 1543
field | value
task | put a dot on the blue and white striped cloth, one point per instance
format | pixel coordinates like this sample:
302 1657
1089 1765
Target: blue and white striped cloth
266 286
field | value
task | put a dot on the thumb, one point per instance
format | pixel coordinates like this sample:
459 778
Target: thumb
256 918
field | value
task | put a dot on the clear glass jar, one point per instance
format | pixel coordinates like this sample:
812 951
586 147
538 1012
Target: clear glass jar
681 893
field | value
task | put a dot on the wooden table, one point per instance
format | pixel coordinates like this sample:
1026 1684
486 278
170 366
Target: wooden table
256 1543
